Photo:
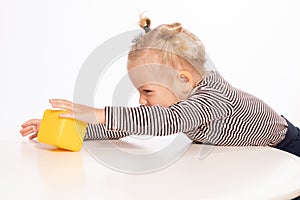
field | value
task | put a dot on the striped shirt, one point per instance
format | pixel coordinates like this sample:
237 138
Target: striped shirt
215 113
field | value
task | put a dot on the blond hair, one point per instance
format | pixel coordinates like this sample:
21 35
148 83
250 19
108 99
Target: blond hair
172 40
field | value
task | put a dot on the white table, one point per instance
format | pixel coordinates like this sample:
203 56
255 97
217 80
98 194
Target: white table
31 170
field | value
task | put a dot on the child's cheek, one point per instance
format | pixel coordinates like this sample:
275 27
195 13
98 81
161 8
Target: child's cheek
180 89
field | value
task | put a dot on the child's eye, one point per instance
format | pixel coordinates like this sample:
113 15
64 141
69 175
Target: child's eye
147 91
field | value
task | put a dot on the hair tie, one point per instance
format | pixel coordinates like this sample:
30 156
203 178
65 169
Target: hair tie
147 29
145 23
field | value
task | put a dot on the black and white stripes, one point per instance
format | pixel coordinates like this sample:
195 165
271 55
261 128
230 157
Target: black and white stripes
215 113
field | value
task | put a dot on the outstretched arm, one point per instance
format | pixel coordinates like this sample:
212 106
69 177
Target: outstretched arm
151 120
93 131
99 132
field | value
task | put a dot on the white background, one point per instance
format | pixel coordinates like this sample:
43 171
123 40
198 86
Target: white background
255 44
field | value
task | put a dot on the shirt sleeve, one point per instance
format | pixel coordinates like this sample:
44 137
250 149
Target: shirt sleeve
99 132
159 121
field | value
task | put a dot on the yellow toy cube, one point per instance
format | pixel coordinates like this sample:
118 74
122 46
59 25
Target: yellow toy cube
61 132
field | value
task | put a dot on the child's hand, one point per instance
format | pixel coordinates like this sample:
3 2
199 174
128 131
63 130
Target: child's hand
79 112
31 127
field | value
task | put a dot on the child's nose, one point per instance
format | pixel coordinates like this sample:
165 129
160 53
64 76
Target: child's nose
142 100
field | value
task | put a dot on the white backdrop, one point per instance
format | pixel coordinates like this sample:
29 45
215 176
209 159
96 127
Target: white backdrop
255 44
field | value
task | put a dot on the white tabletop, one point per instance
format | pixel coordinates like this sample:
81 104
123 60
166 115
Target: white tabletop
33 170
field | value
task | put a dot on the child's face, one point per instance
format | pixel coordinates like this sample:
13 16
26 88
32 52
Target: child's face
155 81
155 94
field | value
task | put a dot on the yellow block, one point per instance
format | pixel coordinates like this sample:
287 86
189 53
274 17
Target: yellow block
60 132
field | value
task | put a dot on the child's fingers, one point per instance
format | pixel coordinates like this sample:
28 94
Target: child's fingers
67 115
33 136
25 129
31 122
62 104
60 100
28 130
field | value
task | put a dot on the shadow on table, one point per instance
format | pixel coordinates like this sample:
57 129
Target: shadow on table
61 172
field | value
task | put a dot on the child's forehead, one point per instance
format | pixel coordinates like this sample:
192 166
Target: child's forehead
142 57
152 74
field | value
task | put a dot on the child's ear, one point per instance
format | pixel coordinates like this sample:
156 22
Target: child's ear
186 77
